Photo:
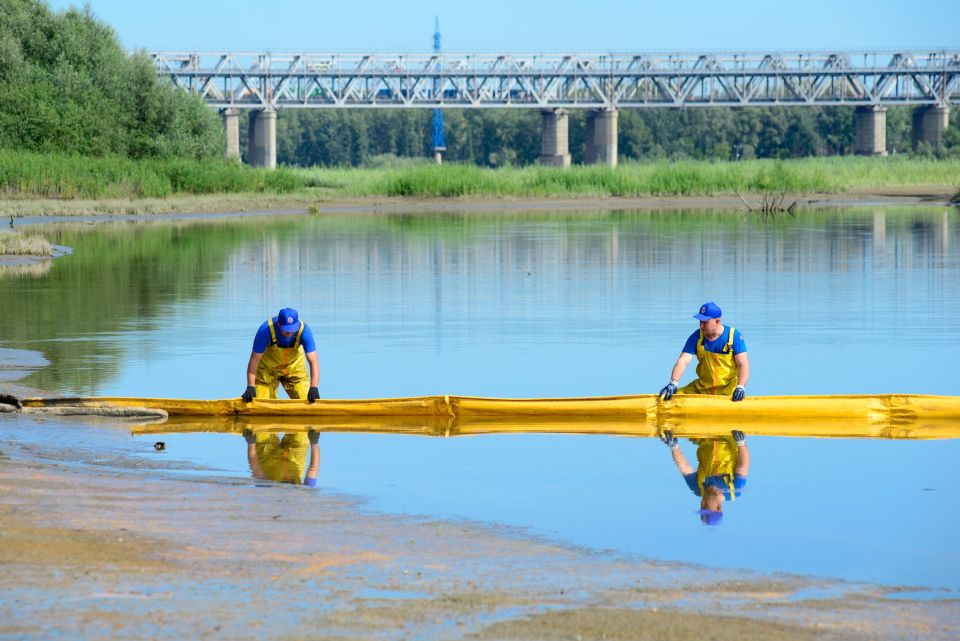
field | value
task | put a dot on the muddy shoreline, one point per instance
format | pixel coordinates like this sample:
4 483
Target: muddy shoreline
108 549
27 212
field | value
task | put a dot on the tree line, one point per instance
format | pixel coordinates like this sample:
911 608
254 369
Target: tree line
67 86
499 137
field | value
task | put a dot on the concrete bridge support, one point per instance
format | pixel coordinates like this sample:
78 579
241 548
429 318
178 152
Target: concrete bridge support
555 147
602 137
870 131
262 141
929 125
231 127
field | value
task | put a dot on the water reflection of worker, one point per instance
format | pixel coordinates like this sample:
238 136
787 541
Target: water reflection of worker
722 364
278 358
721 474
283 459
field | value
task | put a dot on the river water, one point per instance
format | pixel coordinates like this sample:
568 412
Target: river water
861 300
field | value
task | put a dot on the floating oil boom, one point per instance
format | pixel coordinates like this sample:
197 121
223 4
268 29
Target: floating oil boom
851 416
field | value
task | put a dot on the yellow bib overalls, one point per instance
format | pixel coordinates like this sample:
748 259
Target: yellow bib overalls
285 365
716 457
716 373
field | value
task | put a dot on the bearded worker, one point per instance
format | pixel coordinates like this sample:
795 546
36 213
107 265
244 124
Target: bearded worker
722 364
282 347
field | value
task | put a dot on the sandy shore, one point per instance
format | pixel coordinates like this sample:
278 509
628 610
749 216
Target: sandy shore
99 545
29 211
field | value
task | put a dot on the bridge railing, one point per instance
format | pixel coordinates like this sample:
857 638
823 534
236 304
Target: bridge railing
261 80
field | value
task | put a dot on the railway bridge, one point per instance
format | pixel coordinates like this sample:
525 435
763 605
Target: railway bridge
603 83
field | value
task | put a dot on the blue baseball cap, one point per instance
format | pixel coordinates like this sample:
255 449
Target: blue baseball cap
708 311
288 320
710 517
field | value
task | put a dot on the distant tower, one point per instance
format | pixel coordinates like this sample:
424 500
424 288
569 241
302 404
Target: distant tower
439 146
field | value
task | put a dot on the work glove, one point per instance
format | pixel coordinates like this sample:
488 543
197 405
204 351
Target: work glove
668 391
314 437
739 437
669 440
249 437
313 394
249 394
739 393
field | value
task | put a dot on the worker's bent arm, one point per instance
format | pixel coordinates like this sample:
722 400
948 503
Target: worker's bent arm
743 462
680 366
314 468
254 462
314 369
743 368
252 368
681 461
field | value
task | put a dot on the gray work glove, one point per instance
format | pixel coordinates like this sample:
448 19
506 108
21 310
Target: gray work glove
739 437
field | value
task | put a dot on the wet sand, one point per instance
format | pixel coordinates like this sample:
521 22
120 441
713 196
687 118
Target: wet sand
101 549
33 211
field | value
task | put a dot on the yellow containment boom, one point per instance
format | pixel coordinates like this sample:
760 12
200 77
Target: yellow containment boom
862 416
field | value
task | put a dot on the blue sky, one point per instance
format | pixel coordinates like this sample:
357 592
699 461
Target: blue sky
527 26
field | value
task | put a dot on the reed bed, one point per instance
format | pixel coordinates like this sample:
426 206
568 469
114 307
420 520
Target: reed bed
13 243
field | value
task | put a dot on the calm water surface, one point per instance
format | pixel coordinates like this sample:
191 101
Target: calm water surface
856 301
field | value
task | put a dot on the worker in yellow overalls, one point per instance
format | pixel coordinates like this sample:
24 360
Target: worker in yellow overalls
722 364
721 474
281 348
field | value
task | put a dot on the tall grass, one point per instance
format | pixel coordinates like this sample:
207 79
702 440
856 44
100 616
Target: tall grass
25 174
33 175
13 243
678 178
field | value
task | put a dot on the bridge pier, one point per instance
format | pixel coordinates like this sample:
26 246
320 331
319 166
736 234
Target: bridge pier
554 140
929 125
231 127
870 131
262 139
602 137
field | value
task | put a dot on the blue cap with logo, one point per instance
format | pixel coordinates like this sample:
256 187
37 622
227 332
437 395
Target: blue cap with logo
288 320
710 517
708 311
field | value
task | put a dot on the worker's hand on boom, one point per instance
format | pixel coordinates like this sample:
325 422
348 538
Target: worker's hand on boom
668 391
249 394
738 394
739 437
313 394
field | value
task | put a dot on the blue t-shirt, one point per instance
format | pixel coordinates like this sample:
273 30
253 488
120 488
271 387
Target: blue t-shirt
739 482
262 339
716 346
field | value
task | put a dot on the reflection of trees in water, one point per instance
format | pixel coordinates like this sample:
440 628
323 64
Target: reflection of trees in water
117 276
576 270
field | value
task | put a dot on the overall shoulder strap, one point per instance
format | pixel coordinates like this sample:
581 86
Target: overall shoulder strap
296 341
730 338
273 332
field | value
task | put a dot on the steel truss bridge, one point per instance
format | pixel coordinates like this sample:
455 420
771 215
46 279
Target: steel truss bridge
551 81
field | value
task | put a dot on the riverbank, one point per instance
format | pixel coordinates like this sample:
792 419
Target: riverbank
141 547
40 185
27 212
